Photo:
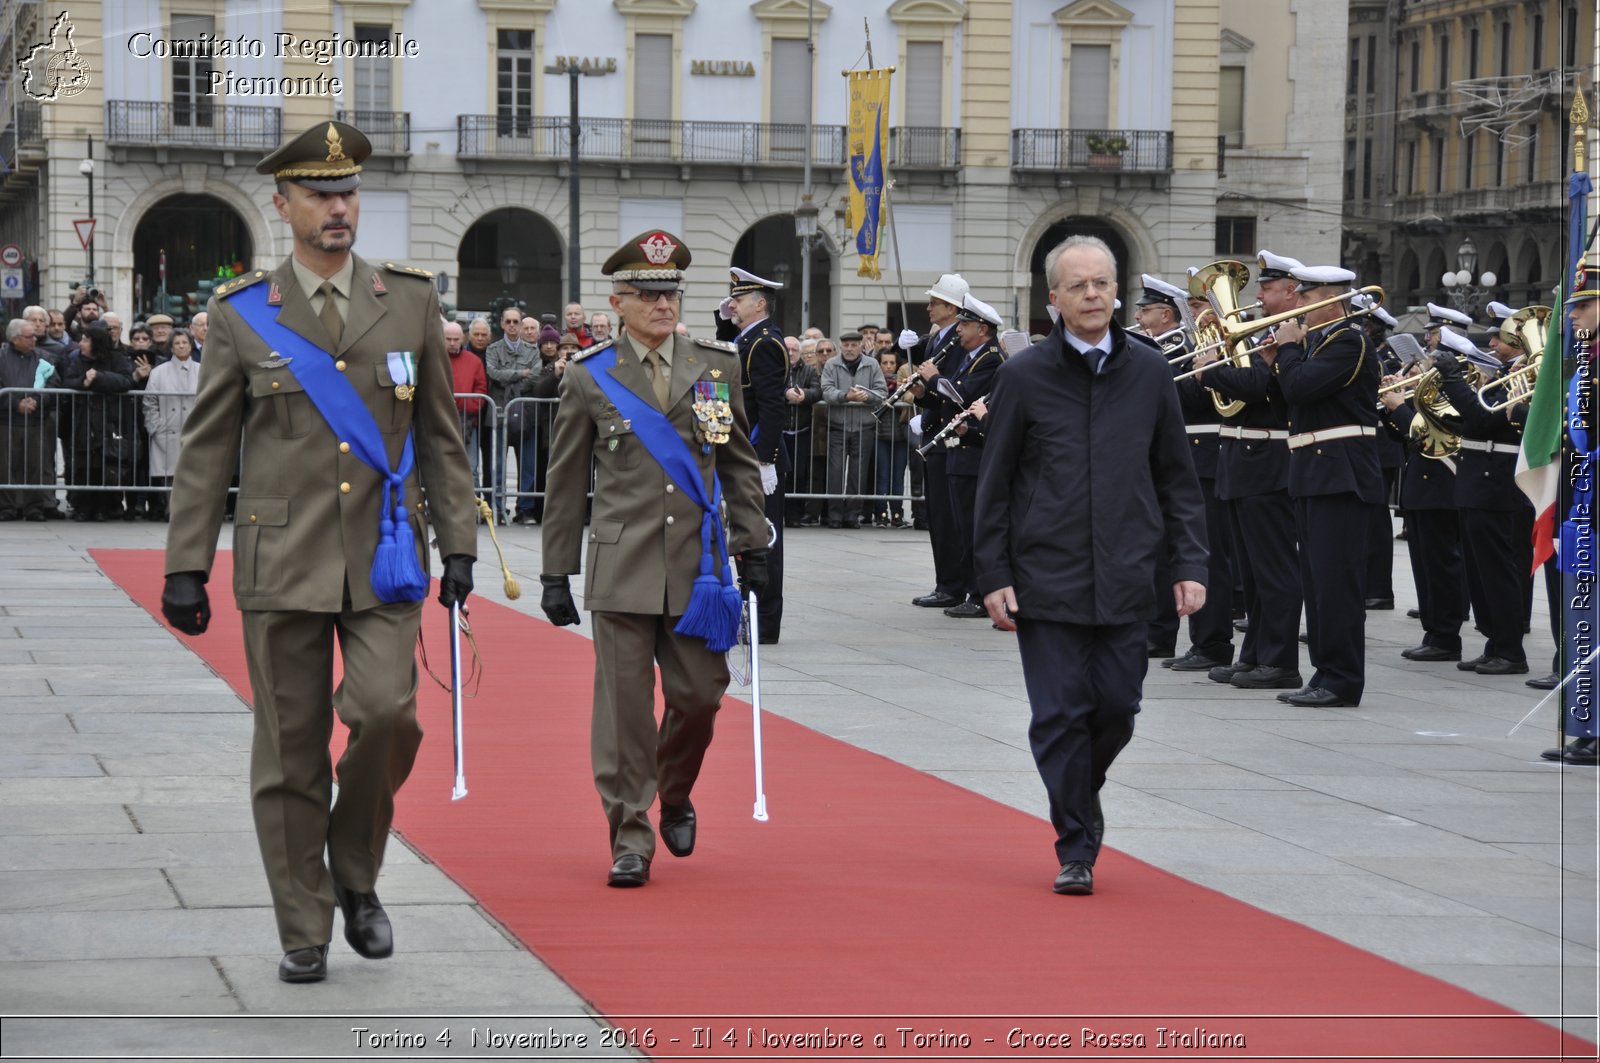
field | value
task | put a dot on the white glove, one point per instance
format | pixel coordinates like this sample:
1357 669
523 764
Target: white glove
915 425
769 479
725 309
908 339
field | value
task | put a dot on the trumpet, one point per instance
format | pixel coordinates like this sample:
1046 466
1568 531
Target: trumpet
946 435
1517 386
1527 327
1212 346
1405 384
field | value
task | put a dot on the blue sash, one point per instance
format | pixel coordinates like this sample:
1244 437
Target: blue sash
397 575
714 603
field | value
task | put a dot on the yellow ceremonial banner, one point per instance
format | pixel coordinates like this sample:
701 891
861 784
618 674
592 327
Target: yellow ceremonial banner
869 145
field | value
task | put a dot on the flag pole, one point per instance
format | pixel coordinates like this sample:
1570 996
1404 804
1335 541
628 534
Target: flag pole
888 208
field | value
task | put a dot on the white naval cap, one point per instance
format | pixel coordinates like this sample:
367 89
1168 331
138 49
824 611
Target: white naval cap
1272 267
1158 292
745 281
1500 310
1364 301
1387 318
1455 341
975 309
950 288
1443 315
1320 277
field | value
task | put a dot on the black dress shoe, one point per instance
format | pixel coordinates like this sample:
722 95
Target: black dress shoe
1472 665
1415 614
936 600
80 517
1152 650
1303 637
767 639
1195 661
1430 653
677 828
1242 626
366 924
968 610
1287 694
1582 751
304 965
1222 673
1378 603
629 870
1318 698
35 514
1501 666
1076 879
1266 677
1544 682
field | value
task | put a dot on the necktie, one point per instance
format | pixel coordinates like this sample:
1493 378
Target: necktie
658 376
330 312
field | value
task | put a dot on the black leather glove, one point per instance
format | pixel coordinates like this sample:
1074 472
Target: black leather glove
455 582
1447 363
753 571
557 601
185 604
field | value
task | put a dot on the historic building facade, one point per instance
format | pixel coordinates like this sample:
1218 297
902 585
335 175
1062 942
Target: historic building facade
1177 129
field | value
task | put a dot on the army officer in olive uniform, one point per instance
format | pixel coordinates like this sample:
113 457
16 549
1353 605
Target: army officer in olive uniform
312 517
644 543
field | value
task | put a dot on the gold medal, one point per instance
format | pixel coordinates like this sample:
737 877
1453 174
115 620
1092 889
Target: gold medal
403 392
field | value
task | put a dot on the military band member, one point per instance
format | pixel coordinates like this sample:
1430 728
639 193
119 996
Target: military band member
1156 314
328 367
1583 311
1391 458
662 418
1253 476
971 374
1438 317
1326 379
1211 626
764 375
1496 518
929 357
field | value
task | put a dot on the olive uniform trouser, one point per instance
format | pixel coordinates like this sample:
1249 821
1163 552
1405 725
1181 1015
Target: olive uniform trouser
290 657
633 760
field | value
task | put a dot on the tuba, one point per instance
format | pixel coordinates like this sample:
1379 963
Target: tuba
1436 430
1220 283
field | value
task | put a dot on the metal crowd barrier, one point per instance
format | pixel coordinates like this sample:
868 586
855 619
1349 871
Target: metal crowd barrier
90 443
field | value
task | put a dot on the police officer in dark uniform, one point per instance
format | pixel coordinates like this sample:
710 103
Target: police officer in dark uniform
1433 537
1253 479
1496 517
1326 378
971 374
764 373
1211 626
929 359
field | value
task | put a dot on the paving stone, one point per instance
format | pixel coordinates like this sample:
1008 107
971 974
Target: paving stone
33 853
61 819
113 890
173 986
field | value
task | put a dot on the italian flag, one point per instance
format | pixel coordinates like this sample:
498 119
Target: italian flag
1539 462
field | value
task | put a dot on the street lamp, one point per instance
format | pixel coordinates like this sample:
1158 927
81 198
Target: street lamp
1459 290
86 167
508 272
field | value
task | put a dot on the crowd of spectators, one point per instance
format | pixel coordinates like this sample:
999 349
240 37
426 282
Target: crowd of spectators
95 404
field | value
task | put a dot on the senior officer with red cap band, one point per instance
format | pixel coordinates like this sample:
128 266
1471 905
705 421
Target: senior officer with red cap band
661 417
328 367
1325 377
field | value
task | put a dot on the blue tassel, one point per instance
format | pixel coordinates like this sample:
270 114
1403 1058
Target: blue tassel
707 616
397 576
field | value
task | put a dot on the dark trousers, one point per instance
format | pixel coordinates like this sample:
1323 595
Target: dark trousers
770 600
1380 544
1552 594
1084 685
799 481
963 510
1333 577
1162 632
1211 627
1498 548
1264 536
29 458
947 577
1433 539
849 471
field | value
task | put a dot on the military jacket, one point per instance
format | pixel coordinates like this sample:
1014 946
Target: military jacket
1486 479
1330 382
764 374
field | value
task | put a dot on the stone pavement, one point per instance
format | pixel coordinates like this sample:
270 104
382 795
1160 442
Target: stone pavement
130 884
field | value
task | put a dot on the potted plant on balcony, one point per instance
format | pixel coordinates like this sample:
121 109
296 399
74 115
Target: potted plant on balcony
1105 152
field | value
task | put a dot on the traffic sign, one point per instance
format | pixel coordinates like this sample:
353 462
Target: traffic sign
85 227
10 256
11 285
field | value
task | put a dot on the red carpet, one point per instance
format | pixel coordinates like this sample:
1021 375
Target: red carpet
876 898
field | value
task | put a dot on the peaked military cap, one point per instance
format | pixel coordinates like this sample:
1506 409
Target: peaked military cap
1158 292
325 158
1275 267
652 261
1320 277
1443 315
975 309
745 282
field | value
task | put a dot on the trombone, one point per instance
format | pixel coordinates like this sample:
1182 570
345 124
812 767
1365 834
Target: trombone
1234 330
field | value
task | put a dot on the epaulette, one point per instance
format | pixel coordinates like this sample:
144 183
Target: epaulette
717 345
244 280
410 271
592 349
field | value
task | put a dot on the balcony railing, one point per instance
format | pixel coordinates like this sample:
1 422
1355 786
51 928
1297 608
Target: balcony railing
197 123
924 147
24 136
649 140
1142 150
389 131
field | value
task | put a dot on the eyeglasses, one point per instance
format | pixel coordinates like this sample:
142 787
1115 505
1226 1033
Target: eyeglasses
824 350
652 298
1101 285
